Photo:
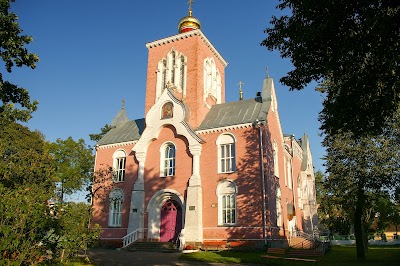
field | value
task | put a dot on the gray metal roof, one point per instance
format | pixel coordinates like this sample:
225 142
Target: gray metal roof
233 113
124 131
122 116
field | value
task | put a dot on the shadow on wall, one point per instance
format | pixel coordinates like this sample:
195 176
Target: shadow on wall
249 182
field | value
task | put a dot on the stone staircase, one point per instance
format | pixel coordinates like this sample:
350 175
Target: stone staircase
165 247
301 243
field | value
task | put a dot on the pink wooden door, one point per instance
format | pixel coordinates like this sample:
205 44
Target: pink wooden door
171 221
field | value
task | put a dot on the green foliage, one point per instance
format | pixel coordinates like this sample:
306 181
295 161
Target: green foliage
26 186
13 53
353 46
331 213
97 137
22 152
75 232
387 210
362 167
74 164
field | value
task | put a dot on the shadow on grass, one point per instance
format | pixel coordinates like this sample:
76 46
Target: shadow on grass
227 256
338 255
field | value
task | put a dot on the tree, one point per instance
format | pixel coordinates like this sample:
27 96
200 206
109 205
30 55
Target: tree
74 164
76 233
13 53
362 167
331 213
97 137
387 210
26 186
352 45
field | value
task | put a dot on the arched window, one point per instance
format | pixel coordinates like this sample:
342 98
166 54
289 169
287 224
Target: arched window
278 207
164 74
226 153
119 163
212 80
276 164
115 215
300 192
171 71
226 192
289 173
168 159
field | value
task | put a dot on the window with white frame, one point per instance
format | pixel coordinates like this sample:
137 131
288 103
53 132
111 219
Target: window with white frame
226 191
119 165
289 173
171 70
212 80
116 198
300 192
168 159
276 164
278 207
226 153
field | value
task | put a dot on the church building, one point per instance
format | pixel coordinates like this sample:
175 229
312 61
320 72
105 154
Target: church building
196 168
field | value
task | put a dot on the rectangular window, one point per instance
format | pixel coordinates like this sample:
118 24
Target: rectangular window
169 167
227 158
228 209
116 213
120 171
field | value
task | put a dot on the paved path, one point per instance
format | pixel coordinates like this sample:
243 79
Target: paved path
109 257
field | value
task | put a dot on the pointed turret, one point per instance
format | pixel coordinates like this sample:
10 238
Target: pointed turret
122 116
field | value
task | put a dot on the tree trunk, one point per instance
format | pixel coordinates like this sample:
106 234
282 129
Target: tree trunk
359 226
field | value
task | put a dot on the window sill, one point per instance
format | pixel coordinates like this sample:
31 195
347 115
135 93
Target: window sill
227 225
114 226
230 172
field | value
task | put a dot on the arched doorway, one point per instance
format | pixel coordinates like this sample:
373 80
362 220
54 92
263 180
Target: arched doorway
171 221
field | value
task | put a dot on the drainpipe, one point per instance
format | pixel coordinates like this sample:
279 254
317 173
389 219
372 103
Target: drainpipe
259 125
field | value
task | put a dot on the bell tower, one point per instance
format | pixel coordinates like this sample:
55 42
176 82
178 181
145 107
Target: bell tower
190 66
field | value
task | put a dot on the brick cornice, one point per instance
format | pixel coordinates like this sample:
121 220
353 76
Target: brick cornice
188 35
115 145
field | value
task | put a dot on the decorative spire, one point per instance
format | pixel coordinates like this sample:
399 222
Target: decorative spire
190 7
189 22
267 76
240 90
123 103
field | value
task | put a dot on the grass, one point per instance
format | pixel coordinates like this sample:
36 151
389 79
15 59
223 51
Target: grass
338 255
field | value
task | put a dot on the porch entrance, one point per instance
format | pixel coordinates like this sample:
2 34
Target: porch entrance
171 221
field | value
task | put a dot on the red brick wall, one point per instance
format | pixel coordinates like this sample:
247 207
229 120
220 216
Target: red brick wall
104 159
196 51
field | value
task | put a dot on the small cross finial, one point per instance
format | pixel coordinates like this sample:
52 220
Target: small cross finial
267 72
190 2
123 103
240 90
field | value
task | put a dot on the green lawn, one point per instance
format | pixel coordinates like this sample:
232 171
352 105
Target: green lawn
338 255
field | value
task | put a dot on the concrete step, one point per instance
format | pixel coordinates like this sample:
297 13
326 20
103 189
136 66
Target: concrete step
301 243
153 247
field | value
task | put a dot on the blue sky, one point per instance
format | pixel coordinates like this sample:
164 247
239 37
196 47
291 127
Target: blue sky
92 55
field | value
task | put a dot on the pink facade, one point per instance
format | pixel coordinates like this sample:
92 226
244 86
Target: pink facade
192 167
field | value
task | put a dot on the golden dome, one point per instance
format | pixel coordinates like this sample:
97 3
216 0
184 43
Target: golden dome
188 23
